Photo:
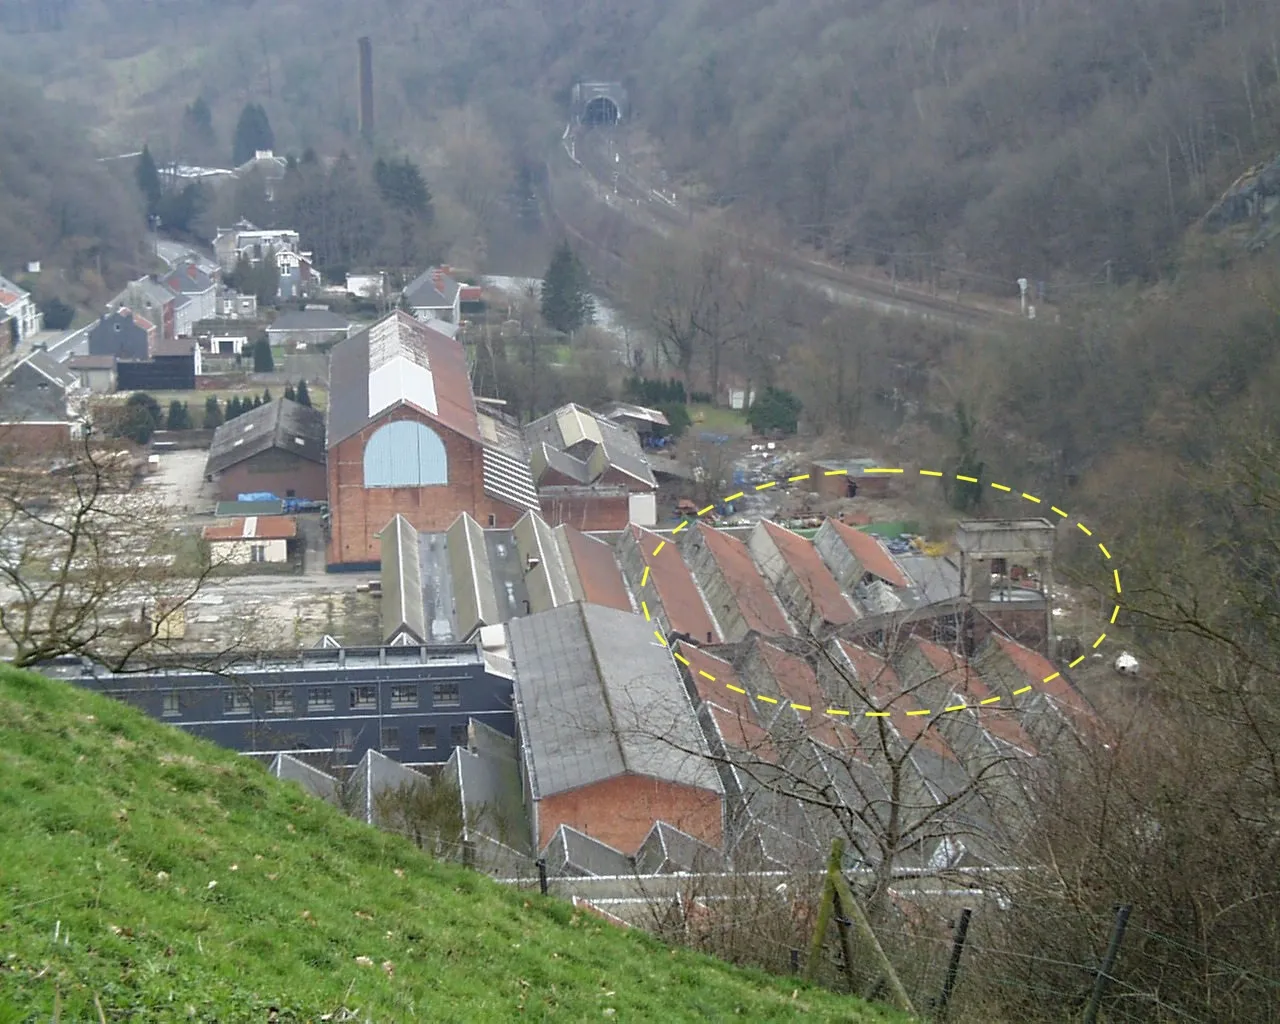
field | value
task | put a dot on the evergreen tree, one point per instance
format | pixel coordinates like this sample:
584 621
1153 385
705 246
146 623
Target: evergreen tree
178 208
257 401
966 496
289 394
212 413
148 178
141 418
402 186
266 396
566 306
304 396
262 360
177 417
199 140
233 407
253 132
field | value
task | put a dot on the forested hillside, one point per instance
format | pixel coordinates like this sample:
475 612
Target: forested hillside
1047 138
57 204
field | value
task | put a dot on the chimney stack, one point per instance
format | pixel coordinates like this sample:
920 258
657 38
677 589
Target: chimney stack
365 84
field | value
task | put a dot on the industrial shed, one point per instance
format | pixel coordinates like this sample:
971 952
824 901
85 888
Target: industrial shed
404 438
276 448
609 740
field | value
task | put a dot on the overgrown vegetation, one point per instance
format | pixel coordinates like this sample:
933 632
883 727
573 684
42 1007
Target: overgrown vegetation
160 877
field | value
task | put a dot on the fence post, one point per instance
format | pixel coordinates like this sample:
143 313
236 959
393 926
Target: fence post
542 875
1108 962
953 968
824 915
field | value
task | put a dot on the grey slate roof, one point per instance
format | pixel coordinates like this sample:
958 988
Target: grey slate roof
280 423
598 697
570 428
422 291
47 366
570 852
309 320
403 610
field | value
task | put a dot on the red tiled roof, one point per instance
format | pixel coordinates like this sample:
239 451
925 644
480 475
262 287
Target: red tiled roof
799 685
873 558
885 686
963 680
815 579
597 570
741 733
455 403
674 583
1037 668
8 298
712 678
265 528
755 600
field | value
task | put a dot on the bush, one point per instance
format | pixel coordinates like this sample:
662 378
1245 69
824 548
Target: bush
777 410
678 419
58 315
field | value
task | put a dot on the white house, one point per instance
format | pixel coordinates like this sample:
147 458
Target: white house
251 540
17 305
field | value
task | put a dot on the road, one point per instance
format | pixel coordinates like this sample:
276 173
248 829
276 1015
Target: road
615 181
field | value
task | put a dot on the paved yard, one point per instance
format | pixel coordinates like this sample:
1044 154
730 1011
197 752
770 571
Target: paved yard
180 479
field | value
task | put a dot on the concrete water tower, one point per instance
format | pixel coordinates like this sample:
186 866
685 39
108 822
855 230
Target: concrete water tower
1006 573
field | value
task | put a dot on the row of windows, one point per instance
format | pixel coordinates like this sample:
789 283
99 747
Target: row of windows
320 698
344 738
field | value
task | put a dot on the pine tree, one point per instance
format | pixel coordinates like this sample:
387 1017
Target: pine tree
233 407
199 140
266 396
148 178
212 413
253 132
178 417
289 394
566 305
257 401
262 359
304 396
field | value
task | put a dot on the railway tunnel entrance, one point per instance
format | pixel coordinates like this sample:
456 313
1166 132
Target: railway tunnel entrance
599 103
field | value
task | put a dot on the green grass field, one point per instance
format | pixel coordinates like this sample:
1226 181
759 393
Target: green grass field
168 880
718 420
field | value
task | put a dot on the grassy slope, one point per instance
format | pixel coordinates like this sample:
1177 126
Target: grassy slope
96 801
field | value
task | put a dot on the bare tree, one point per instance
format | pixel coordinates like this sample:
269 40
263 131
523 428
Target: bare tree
89 566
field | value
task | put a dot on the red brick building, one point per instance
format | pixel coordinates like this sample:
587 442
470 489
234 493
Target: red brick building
609 741
404 438
278 447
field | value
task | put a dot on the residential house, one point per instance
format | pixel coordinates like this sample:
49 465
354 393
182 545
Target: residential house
155 302
277 447
123 334
308 328
96 374
244 239
17 306
270 167
252 540
436 295
232 305
188 279
41 406
298 275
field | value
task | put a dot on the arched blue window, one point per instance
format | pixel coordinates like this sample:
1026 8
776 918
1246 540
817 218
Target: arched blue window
405 454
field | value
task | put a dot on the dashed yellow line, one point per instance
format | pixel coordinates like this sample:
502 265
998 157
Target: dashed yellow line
644 580
835 472
881 469
930 472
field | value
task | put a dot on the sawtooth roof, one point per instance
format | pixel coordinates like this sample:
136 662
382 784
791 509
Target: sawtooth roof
593 442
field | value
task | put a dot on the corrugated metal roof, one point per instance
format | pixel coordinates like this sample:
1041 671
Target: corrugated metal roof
402 605
599 697
546 571
507 478
473 594
254 528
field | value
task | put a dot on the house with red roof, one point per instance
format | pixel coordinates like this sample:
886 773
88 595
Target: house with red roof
18 308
